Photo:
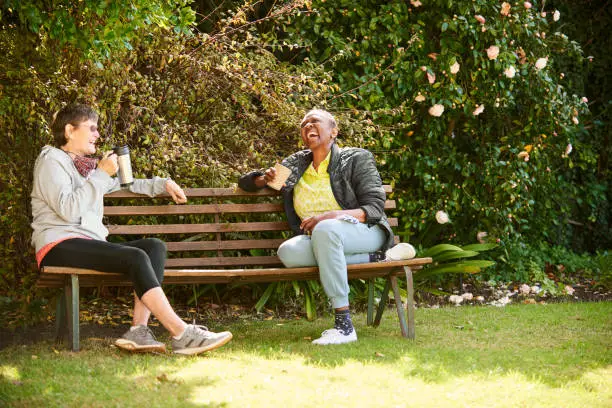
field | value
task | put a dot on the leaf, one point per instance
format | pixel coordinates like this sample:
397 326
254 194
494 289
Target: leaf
264 298
479 247
455 255
438 249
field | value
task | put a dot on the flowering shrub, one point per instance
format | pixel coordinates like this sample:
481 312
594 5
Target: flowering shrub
472 111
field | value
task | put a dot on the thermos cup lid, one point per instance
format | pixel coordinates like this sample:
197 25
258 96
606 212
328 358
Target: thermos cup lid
121 150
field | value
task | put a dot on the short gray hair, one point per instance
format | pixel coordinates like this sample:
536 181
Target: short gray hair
322 112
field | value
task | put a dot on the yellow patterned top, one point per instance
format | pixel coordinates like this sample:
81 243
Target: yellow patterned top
312 194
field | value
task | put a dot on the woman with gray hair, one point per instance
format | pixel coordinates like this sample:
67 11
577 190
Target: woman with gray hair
334 201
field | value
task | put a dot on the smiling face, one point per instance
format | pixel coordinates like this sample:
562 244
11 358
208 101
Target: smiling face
318 130
82 138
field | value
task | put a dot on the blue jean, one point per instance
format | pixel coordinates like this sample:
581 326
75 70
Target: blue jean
333 245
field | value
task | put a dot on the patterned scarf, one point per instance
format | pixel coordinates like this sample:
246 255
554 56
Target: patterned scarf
85 165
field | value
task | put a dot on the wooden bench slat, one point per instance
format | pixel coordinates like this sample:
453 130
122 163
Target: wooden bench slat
198 228
223 261
214 192
62 270
224 245
203 209
206 228
192 209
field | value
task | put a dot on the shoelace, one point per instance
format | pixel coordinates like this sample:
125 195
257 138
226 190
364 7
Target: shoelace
200 327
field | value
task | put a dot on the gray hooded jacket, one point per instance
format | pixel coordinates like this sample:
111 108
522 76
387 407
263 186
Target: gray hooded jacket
65 204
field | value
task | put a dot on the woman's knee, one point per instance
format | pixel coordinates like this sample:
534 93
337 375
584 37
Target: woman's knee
294 253
326 230
154 246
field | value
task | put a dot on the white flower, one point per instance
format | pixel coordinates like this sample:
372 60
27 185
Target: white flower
442 217
480 236
492 52
575 120
480 18
419 98
479 109
455 299
535 289
585 99
480 298
454 68
568 149
436 110
524 155
569 290
510 72
416 3
431 78
524 289
527 5
541 63
543 14
505 9
467 296
556 15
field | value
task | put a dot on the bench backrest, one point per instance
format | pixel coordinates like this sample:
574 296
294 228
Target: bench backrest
218 227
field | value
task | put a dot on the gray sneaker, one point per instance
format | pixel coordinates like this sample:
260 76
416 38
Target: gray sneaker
198 339
140 340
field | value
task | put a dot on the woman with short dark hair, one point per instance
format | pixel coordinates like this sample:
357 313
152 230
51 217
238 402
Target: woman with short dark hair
67 209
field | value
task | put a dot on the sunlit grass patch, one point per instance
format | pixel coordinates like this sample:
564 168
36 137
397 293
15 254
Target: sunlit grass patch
526 355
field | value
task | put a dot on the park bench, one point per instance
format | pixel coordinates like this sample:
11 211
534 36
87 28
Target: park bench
222 235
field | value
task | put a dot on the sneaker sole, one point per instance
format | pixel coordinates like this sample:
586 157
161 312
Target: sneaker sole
331 344
198 350
136 348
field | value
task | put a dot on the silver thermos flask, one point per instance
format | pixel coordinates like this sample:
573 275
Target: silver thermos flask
125 166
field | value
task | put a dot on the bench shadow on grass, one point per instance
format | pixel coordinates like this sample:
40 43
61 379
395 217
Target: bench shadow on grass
554 352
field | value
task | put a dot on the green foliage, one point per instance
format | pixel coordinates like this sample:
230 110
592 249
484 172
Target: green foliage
202 110
542 263
441 254
98 28
525 165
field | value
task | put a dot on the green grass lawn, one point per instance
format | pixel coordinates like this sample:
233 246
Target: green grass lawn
555 355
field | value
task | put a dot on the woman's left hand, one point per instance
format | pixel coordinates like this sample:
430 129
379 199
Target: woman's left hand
176 192
309 223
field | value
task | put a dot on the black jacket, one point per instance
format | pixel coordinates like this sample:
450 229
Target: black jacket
354 179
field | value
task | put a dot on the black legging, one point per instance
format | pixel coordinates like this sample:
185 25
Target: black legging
142 260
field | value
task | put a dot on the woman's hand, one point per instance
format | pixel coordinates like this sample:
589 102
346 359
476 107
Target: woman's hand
309 223
109 164
268 176
176 192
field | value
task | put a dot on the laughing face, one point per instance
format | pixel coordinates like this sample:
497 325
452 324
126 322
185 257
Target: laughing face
318 130
82 138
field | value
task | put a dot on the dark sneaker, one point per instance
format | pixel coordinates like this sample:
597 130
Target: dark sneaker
140 340
198 339
377 256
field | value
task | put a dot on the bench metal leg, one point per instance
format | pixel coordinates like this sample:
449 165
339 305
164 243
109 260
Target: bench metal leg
60 317
370 301
399 305
71 291
410 302
383 303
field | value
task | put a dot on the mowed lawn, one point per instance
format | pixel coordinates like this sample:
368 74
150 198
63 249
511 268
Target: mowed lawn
551 355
